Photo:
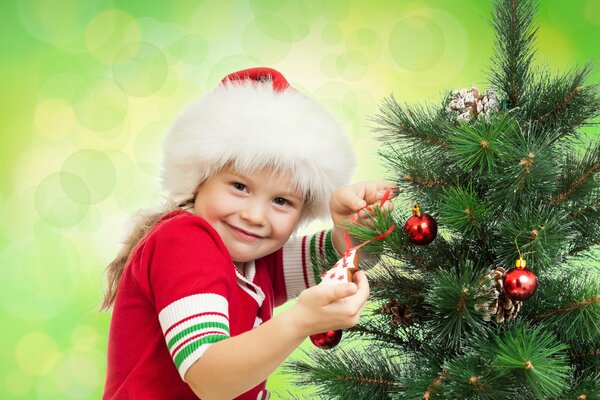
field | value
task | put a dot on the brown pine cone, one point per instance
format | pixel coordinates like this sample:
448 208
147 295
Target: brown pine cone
468 104
400 313
501 308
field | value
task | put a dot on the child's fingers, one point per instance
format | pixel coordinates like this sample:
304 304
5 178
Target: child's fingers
355 301
349 201
361 281
333 293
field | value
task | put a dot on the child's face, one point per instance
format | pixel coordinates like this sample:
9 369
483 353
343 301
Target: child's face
254 214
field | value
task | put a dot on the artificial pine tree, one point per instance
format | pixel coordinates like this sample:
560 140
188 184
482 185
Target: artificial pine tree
507 173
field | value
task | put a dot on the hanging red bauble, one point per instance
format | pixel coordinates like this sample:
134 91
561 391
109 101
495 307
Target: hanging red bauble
520 283
326 340
420 228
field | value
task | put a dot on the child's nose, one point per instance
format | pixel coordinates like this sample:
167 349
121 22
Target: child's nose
254 212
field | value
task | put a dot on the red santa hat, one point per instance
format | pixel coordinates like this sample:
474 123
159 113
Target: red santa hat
255 119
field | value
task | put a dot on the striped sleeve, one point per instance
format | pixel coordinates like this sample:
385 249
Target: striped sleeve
189 329
188 275
305 259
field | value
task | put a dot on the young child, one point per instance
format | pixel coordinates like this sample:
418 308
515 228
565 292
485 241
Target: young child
198 281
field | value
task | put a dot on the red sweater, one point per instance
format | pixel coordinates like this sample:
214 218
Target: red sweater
180 292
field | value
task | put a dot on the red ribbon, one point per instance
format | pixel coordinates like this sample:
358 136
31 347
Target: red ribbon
386 195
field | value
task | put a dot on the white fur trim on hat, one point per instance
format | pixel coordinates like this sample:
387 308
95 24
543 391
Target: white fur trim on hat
249 125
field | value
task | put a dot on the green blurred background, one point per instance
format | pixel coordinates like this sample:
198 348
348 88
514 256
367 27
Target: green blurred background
88 88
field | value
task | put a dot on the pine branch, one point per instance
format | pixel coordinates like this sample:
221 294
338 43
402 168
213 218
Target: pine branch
475 146
451 300
586 224
346 373
526 169
541 234
411 126
577 176
562 104
423 182
463 211
531 355
584 388
470 377
569 304
512 21
576 306
399 338
433 387
583 247
419 172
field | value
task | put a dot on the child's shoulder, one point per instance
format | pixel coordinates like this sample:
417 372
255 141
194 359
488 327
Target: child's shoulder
181 224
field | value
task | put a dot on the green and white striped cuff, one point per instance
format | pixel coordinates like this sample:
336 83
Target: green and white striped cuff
191 324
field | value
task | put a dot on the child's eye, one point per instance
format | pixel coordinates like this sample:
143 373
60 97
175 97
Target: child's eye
280 201
240 186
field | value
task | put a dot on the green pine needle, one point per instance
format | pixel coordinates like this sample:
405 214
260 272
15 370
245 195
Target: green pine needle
451 299
515 34
475 146
464 211
534 355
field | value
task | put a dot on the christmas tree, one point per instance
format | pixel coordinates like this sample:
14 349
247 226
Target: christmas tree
505 302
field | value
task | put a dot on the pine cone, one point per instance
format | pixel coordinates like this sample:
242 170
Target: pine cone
401 313
501 308
468 104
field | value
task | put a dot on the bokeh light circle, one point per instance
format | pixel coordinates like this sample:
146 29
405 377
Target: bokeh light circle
54 118
336 10
59 77
62 199
61 86
40 277
100 104
592 11
351 65
224 21
78 376
416 43
296 15
267 39
18 382
122 163
140 69
142 195
91 222
108 32
93 168
191 49
85 337
37 353
62 23
367 43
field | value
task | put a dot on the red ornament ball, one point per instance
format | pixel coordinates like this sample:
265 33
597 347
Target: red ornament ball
520 283
420 228
326 340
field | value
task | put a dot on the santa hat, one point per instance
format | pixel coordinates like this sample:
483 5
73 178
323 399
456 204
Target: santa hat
255 119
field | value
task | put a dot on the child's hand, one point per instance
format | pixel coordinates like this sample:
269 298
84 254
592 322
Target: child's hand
323 308
357 198
348 200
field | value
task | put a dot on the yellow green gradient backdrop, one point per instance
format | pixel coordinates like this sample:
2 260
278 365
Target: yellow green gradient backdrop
87 90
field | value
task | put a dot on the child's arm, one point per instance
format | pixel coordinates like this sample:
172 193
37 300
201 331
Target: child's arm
233 366
349 200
